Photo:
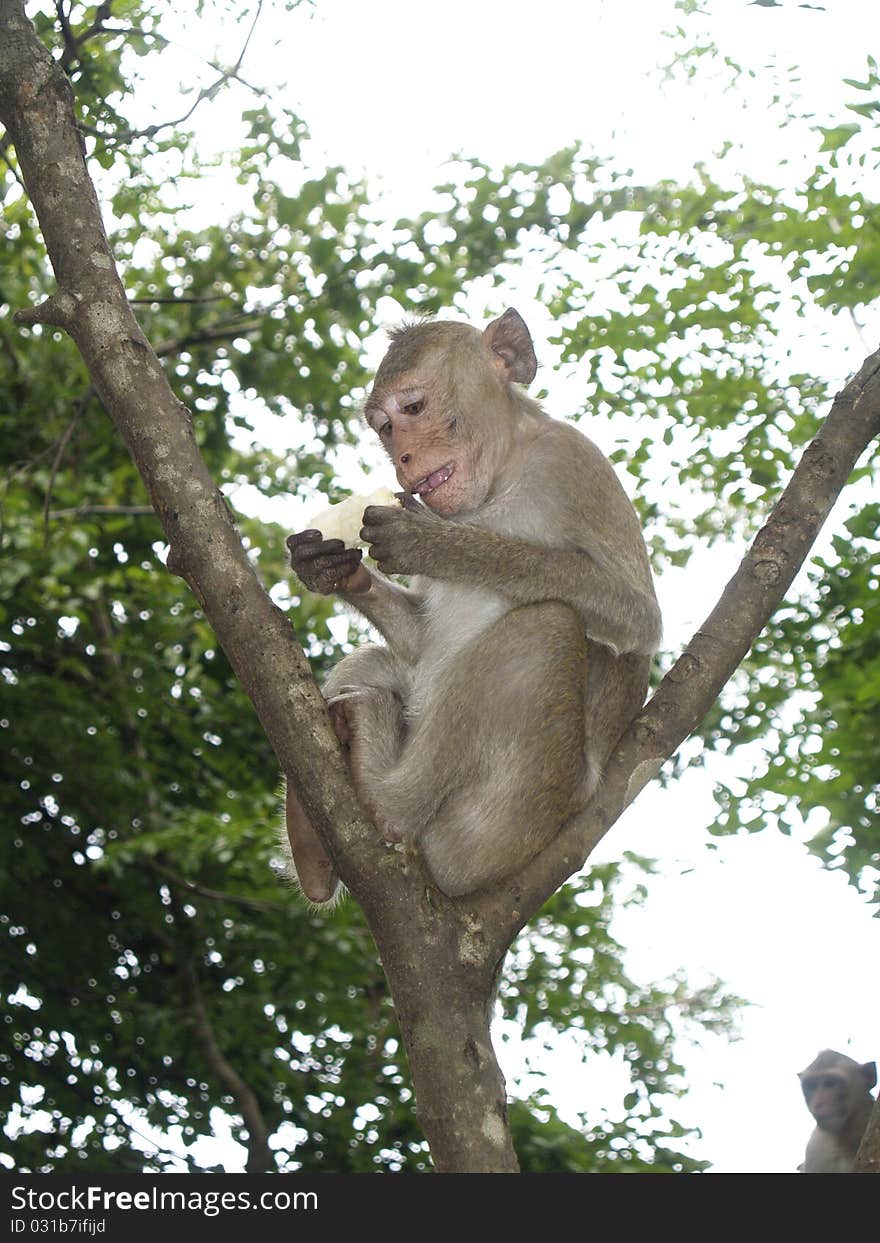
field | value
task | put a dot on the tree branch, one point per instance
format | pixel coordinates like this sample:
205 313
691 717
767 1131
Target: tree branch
221 331
81 406
207 92
216 895
259 1154
180 300
868 1155
85 511
67 35
5 144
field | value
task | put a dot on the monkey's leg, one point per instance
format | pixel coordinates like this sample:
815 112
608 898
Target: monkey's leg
367 689
500 747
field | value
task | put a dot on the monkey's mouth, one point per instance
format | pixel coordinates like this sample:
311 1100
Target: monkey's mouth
432 482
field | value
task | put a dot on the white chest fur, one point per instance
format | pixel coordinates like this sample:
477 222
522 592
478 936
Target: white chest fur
453 616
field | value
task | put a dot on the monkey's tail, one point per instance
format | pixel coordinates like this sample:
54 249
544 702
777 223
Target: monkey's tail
319 885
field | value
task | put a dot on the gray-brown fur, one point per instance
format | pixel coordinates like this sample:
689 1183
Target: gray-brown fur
521 650
837 1091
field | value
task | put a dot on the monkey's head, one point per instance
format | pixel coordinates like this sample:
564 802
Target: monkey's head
832 1085
443 406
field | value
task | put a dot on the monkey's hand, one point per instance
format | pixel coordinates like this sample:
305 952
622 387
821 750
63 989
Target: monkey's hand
403 541
327 566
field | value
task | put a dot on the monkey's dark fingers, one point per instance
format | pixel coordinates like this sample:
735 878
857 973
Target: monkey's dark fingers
312 555
378 520
375 515
328 573
343 560
386 559
408 501
307 550
303 537
305 545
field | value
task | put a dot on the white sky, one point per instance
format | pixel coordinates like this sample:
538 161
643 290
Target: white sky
385 90
388 92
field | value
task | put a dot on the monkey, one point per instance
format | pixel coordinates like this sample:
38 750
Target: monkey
838 1095
519 651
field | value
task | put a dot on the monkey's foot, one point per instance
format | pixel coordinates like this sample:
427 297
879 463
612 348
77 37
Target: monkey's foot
340 714
341 727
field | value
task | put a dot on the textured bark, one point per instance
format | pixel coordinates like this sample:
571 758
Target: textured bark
442 971
441 957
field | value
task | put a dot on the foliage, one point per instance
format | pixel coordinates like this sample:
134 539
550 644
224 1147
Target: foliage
138 791
566 974
824 713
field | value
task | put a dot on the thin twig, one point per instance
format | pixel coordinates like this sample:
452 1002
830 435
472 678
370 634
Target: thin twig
190 1162
70 48
207 92
80 410
216 895
4 144
85 511
73 44
140 31
9 351
220 297
205 337
97 27
860 331
259 1154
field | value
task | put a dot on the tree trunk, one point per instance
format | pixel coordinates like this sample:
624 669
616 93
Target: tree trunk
444 1004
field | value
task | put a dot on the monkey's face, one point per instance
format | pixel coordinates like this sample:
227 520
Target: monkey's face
435 422
827 1100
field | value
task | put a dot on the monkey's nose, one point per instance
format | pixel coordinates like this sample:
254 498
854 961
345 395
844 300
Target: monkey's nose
405 458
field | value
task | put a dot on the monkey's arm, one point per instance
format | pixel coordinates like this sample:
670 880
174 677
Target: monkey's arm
393 610
327 567
617 609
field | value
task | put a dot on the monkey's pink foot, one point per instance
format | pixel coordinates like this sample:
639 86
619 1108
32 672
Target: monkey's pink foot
341 714
341 725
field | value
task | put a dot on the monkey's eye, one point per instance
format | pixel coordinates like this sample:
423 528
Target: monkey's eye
384 428
414 407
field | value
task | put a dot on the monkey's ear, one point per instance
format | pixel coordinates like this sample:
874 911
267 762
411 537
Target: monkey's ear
510 341
869 1071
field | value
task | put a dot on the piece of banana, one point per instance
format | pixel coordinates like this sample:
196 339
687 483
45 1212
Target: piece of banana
344 520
